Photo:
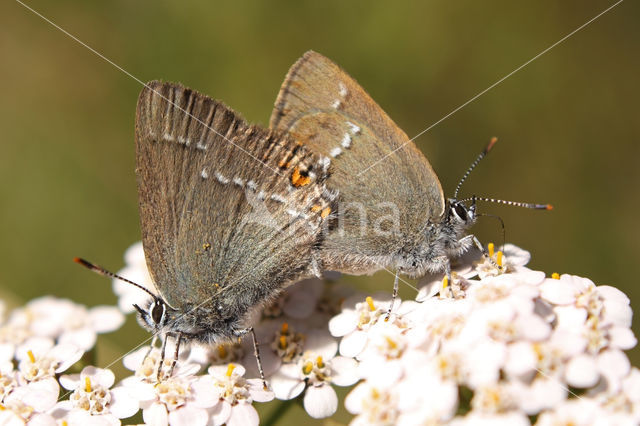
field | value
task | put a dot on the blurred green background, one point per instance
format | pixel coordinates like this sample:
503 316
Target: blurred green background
568 123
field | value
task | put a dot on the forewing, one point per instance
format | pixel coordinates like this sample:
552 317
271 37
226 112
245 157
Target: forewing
224 206
324 107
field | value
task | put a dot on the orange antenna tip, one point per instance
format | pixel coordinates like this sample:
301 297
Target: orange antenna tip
492 142
549 207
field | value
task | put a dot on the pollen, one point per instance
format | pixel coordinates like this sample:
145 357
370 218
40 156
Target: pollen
445 282
320 362
298 180
491 249
325 212
283 342
308 368
32 358
369 301
285 328
87 384
392 344
499 259
230 369
555 276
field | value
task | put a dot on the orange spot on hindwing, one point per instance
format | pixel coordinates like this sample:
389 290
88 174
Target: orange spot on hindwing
298 180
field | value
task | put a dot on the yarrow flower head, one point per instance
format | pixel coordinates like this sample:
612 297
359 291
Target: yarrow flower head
92 401
498 343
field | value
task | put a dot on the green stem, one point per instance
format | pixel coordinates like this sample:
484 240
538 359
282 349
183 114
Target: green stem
279 411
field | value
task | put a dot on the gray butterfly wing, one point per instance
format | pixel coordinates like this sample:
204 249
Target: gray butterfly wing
229 212
382 209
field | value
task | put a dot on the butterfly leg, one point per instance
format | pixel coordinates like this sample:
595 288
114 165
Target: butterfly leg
393 297
466 242
315 267
256 352
164 347
175 354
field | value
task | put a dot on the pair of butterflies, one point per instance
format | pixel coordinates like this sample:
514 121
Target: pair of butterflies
232 213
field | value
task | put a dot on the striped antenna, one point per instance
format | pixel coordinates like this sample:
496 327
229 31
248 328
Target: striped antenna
100 270
512 203
473 165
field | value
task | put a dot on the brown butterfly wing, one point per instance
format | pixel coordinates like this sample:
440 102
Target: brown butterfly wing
325 108
226 209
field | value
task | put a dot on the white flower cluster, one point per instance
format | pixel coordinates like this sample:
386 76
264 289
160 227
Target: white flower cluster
502 344
40 341
297 352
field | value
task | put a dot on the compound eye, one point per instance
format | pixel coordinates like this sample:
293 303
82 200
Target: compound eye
461 212
157 312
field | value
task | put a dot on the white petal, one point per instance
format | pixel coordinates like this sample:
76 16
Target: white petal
105 318
516 255
102 376
343 324
84 338
40 419
37 345
188 416
352 344
320 401
8 418
570 316
258 392
483 363
286 383
204 392
622 338
6 351
521 359
353 401
582 372
532 327
542 393
137 389
69 381
134 360
613 294
134 255
122 405
569 341
321 343
219 413
68 355
631 385
41 395
617 314
379 371
428 287
558 292
156 415
80 417
614 365
345 371
243 415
